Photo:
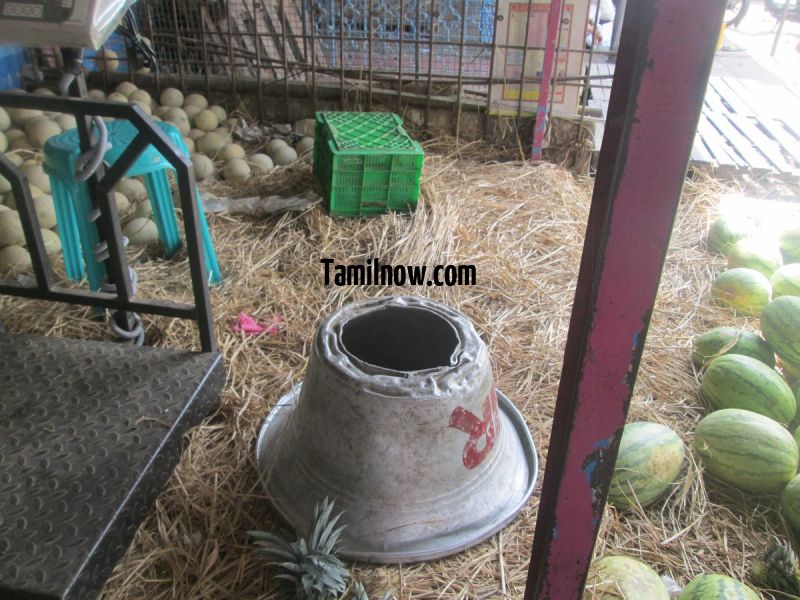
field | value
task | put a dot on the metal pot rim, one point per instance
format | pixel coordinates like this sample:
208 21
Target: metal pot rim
520 443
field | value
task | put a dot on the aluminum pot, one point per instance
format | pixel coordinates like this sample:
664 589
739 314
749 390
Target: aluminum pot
398 421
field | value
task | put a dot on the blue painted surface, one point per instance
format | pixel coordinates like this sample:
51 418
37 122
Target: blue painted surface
589 470
12 59
601 444
388 24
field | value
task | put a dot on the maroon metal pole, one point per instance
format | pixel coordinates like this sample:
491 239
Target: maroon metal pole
665 57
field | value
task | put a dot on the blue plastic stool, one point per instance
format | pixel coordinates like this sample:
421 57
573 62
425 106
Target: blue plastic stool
73 204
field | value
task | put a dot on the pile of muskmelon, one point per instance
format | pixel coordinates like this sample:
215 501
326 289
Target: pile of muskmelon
207 133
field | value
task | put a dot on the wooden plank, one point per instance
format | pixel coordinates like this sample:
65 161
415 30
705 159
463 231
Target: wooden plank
744 92
742 145
700 154
714 101
773 100
717 144
788 143
767 146
730 97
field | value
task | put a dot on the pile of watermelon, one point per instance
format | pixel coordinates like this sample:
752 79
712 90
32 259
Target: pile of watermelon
749 438
759 267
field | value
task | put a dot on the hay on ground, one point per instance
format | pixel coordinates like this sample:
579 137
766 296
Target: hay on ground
522 227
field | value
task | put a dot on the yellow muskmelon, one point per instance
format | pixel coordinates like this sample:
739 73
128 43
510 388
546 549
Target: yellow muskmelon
203 167
121 202
5 119
143 97
197 100
141 232
304 145
232 151
37 177
143 210
206 120
66 121
274 145
260 164
211 144
237 169
45 211
108 59
171 97
284 156
126 88
219 112
132 188
52 243
11 232
13 258
192 110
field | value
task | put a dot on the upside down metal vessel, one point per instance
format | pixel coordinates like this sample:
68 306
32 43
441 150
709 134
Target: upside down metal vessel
398 421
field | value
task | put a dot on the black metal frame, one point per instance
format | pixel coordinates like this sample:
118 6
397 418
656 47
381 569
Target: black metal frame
101 186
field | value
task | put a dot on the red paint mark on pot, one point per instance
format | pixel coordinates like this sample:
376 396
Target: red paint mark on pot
481 432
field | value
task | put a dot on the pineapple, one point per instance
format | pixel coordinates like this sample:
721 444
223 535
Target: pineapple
311 566
777 570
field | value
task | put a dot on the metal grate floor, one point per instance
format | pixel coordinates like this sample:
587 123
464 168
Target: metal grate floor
89 435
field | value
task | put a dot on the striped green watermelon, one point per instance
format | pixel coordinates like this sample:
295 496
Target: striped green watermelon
730 340
744 290
649 460
780 324
790 245
623 578
790 502
726 231
737 381
746 450
717 587
755 253
786 281
791 372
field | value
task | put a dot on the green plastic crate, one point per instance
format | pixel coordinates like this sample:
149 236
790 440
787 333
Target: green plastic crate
366 162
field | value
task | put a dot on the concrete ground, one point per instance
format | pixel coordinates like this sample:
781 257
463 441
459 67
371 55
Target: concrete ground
745 53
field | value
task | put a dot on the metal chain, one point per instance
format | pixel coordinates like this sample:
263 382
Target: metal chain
85 166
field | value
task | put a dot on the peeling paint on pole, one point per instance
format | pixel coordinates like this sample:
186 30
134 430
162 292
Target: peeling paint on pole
661 74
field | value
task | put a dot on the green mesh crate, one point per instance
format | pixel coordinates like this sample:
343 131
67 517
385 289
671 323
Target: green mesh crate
366 162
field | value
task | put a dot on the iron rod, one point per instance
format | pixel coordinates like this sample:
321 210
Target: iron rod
524 57
179 53
30 222
257 44
665 58
430 66
495 25
401 31
460 65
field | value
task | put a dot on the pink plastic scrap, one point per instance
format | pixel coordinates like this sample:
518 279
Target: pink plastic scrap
249 326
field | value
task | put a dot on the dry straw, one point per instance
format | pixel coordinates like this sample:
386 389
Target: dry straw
522 227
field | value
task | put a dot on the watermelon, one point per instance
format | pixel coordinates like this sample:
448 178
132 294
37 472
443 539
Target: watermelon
737 381
750 253
717 587
790 502
623 578
649 460
726 231
730 340
746 450
791 372
790 245
786 281
780 324
745 290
